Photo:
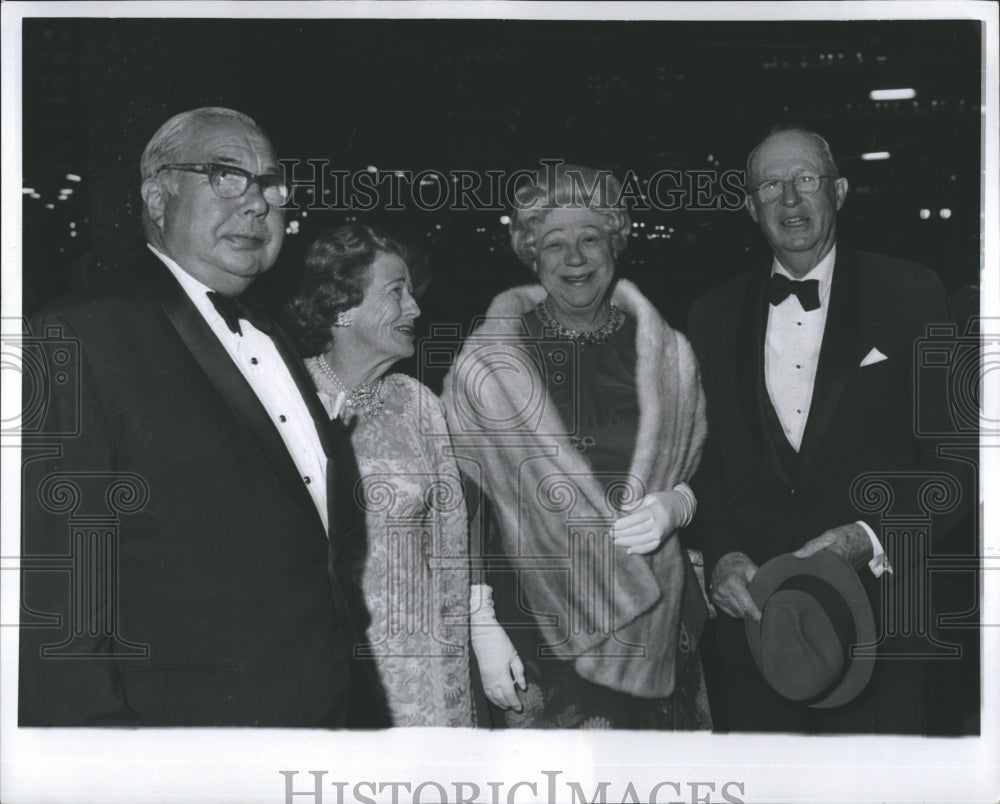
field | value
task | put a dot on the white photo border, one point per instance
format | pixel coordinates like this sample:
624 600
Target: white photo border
112 766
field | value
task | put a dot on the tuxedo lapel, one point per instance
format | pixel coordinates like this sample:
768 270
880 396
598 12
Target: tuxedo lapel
156 281
348 545
749 371
837 357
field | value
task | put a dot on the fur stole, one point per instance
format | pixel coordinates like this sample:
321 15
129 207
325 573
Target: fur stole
616 616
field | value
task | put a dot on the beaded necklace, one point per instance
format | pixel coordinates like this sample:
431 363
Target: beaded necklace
602 334
365 398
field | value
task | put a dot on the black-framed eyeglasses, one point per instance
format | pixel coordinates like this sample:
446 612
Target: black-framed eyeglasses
773 189
230 181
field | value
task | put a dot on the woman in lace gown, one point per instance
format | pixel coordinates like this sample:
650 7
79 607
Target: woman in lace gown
354 313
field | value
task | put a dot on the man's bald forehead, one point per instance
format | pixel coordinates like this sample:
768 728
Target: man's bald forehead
818 142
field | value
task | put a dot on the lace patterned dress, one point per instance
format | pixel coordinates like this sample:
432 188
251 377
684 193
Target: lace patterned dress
416 578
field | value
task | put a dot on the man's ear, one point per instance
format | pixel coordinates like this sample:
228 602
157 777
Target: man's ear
751 205
840 187
154 198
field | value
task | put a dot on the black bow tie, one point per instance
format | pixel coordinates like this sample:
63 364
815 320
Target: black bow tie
807 290
232 309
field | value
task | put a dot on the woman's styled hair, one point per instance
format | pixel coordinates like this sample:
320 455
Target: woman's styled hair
337 274
565 186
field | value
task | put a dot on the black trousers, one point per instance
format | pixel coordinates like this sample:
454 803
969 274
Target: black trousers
890 704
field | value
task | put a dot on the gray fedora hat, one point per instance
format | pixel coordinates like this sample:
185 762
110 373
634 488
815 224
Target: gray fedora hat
813 611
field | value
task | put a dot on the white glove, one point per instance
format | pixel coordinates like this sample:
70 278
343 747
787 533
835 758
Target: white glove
658 517
499 664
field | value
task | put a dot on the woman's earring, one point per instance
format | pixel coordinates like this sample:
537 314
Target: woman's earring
342 320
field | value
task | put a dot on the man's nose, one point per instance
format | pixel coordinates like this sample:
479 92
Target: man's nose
789 194
253 201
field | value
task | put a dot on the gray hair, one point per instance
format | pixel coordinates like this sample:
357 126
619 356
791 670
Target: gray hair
172 135
826 155
565 186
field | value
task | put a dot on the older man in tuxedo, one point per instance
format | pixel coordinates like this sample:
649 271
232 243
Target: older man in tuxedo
807 365
225 592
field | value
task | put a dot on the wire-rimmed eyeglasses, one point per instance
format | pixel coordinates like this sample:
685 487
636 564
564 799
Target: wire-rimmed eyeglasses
773 189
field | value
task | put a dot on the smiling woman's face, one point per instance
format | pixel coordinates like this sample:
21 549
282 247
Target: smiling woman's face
575 264
383 323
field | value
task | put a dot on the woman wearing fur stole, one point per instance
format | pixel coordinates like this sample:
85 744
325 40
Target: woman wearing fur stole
581 412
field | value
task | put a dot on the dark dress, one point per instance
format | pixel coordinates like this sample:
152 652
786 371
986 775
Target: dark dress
597 392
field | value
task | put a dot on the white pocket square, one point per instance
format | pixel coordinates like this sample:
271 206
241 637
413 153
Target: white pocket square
874 356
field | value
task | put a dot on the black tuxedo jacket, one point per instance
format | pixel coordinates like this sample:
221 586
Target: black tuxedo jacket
188 579
860 421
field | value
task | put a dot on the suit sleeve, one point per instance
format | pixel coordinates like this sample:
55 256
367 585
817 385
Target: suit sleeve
939 393
924 304
714 529
63 681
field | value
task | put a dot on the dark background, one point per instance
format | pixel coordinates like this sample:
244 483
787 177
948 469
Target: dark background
500 95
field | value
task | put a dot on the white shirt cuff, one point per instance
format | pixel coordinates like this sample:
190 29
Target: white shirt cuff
880 562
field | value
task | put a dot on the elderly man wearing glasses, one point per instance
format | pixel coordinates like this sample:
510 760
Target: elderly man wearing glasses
226 593
807 365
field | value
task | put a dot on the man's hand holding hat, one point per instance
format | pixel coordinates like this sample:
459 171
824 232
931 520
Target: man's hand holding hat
731 586
850 542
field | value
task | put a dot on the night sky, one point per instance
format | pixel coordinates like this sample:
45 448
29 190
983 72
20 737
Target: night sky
501 95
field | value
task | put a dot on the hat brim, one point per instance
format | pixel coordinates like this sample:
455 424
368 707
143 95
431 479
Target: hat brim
834 570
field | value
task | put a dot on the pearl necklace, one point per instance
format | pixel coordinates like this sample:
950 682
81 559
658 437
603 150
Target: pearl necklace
602 334
365 398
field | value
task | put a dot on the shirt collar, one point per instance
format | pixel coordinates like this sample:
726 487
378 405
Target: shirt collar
823 271
196 290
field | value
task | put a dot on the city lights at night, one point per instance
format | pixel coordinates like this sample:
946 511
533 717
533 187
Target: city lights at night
621 113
